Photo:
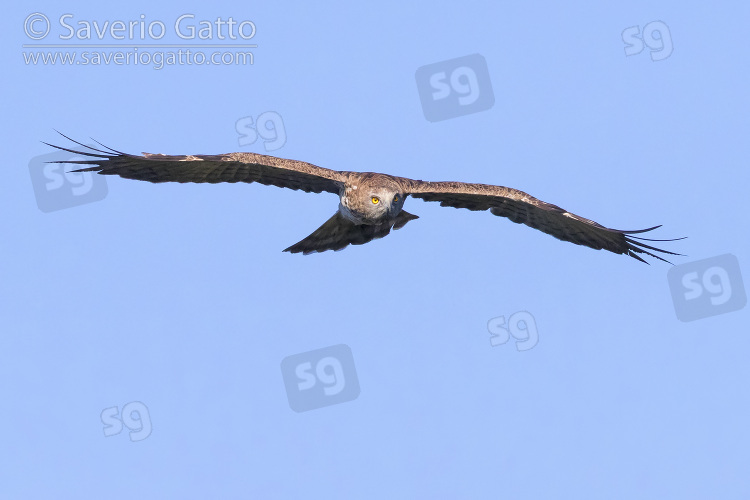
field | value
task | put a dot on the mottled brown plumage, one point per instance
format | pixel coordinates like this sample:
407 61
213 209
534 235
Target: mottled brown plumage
371 204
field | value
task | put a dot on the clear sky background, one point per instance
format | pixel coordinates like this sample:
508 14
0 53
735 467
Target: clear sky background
174 303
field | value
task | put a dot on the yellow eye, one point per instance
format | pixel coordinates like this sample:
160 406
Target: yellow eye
375 200
395 199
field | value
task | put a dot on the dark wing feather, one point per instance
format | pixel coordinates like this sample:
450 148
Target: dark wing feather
523 208
231 167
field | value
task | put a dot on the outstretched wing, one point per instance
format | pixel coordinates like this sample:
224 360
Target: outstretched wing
231 167
523 208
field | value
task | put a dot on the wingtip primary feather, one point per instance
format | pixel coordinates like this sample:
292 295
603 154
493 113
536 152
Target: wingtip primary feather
85 145
76 152
107 147
638 247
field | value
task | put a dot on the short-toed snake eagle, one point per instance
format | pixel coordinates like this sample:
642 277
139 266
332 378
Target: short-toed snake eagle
371 204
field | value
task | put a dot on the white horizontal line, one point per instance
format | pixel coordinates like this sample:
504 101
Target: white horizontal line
135 45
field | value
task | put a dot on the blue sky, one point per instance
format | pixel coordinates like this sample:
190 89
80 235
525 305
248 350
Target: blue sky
173 304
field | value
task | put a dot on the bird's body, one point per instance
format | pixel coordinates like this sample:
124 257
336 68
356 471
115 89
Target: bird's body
370 204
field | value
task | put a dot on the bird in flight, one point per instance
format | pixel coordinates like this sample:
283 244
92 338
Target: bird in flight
370 204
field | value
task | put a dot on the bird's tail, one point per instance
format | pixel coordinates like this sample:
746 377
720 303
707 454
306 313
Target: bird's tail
338 232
